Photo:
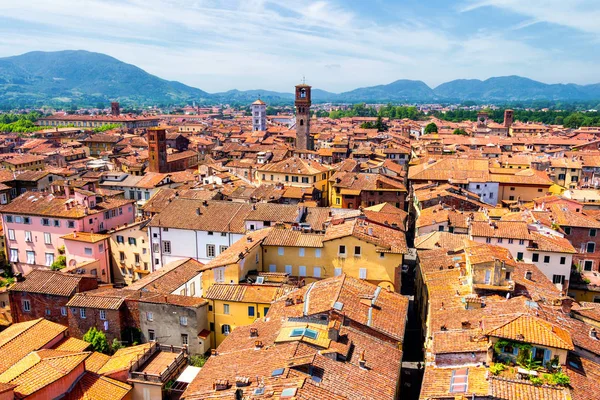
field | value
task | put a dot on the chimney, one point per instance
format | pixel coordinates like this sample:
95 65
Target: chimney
362 363
258 344
214 352
253 332
198 211
249 239
241 381
333 330
221 384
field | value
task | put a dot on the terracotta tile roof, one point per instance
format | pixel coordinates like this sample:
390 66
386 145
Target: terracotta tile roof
85 237
290 238
71 344
123 358
94 387
49 282
217 216
437 383
238 249
584 379
388 315
564 216
451 169
164 196
295 165
41 368
247 293
500 229
460 341
360 181
555 244
387 240
20 339
96 361
169 277
506 389
47 205
273 212
534 330
521 177
444 240
96 300
477 253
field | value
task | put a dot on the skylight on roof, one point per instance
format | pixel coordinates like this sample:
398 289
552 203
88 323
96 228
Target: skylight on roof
459 381
338 306
277 372
259 390
309 333
288 392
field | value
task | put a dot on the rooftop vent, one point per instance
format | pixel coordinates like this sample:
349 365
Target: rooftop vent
528 275
362 362
221 384
241 381
594 333
253 332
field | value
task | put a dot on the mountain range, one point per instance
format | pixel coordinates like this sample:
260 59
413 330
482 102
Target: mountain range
85 78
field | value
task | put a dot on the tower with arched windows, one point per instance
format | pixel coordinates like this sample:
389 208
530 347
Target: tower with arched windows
302 103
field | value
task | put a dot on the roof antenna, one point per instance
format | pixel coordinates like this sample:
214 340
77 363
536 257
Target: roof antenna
303 80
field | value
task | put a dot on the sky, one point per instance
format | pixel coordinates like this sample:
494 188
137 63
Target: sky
338 45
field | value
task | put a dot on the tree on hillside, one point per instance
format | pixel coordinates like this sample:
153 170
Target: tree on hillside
431 128
97 339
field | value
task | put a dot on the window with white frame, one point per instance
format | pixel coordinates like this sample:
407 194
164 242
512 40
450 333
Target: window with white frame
82 313
280 251
226 329
102 315
88 251
149 316
49 259
30 257
155 247
362 273
28 236
193 289
226 309
183 321
26 305
184 339
11 234
337 271
210 250
219 275
166 245
63 311
14 255
47 238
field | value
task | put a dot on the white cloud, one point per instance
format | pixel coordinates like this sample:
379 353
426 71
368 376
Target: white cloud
250 44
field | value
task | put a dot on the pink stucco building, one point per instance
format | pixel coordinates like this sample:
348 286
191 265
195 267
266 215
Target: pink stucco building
35 224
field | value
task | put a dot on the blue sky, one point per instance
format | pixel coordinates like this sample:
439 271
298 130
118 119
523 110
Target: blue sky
337 44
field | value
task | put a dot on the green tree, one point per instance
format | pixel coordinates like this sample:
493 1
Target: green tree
431 128
460 131
59 263
197 361
116 345
97 339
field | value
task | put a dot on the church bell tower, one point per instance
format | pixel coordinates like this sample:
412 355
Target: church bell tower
302 102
